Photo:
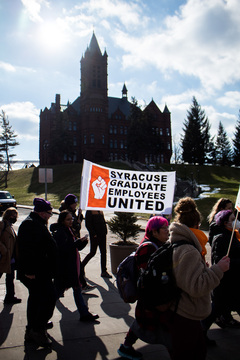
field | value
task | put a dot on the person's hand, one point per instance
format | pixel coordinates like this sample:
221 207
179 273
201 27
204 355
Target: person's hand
224 263
84 238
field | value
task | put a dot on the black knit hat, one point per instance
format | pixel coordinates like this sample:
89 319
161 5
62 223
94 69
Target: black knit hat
70 199
41 205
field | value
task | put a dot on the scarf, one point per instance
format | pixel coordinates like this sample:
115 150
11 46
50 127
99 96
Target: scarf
202 238
236 233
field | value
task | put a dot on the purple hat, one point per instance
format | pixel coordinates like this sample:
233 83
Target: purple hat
70 199
155 223
41 205
222 216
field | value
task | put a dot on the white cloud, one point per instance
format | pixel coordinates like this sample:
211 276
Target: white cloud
230 98
33 8
200 41
7 67
130 14
23 117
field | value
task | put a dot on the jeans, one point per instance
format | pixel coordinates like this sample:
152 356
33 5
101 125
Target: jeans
78 298
94 243
79 301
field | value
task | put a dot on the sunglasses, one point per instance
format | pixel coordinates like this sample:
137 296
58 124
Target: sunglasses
49 213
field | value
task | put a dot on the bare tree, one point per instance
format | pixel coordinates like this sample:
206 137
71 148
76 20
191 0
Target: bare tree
7 142
177 151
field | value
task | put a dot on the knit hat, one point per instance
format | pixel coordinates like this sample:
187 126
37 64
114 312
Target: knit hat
155 223
41 205
222 216
70 199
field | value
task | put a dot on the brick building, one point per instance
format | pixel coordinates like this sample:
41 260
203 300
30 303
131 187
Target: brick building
95 126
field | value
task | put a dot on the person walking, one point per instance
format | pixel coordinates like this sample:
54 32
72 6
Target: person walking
226 297
196 281
146 324
68 274
97 228
70 203
8 253
214 229
37 261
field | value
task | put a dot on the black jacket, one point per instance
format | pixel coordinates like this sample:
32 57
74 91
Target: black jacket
67 275
95 223
37 250
228 292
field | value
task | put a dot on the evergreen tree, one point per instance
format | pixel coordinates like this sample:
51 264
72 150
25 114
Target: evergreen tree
124 225
212 157
236 143
196 139
7 141
223 147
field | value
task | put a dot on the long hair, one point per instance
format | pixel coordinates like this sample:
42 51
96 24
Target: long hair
220 205
9 212
62 216
187 212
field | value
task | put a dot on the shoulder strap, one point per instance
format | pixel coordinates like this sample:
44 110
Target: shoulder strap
148 242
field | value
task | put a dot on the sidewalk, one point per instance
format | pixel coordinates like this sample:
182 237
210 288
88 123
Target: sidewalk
73 340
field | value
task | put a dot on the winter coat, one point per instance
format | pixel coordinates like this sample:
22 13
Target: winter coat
193 277
37 250
67 274
228 292
214 229
95 223
7 246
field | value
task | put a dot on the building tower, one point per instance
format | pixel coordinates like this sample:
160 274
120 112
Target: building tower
94 103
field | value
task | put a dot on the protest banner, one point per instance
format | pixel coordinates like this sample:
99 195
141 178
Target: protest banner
110 189
237 206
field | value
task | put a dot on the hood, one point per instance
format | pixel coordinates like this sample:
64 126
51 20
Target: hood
182 232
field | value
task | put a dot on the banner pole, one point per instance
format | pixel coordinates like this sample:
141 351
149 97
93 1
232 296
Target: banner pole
234 226
81 185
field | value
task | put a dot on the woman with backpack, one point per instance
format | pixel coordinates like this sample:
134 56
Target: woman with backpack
196 281
146 323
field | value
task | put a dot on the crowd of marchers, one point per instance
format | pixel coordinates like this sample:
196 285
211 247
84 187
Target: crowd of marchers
48 262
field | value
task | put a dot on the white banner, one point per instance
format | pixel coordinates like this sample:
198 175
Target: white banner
125 190
237 204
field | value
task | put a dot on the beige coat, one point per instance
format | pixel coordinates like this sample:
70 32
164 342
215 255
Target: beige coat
193 277
7 244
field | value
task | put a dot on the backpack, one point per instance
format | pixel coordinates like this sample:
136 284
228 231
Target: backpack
127 276
156 284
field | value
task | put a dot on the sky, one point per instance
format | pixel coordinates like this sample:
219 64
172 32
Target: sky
165 50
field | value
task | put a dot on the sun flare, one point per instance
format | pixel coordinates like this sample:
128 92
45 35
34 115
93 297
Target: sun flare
52 36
